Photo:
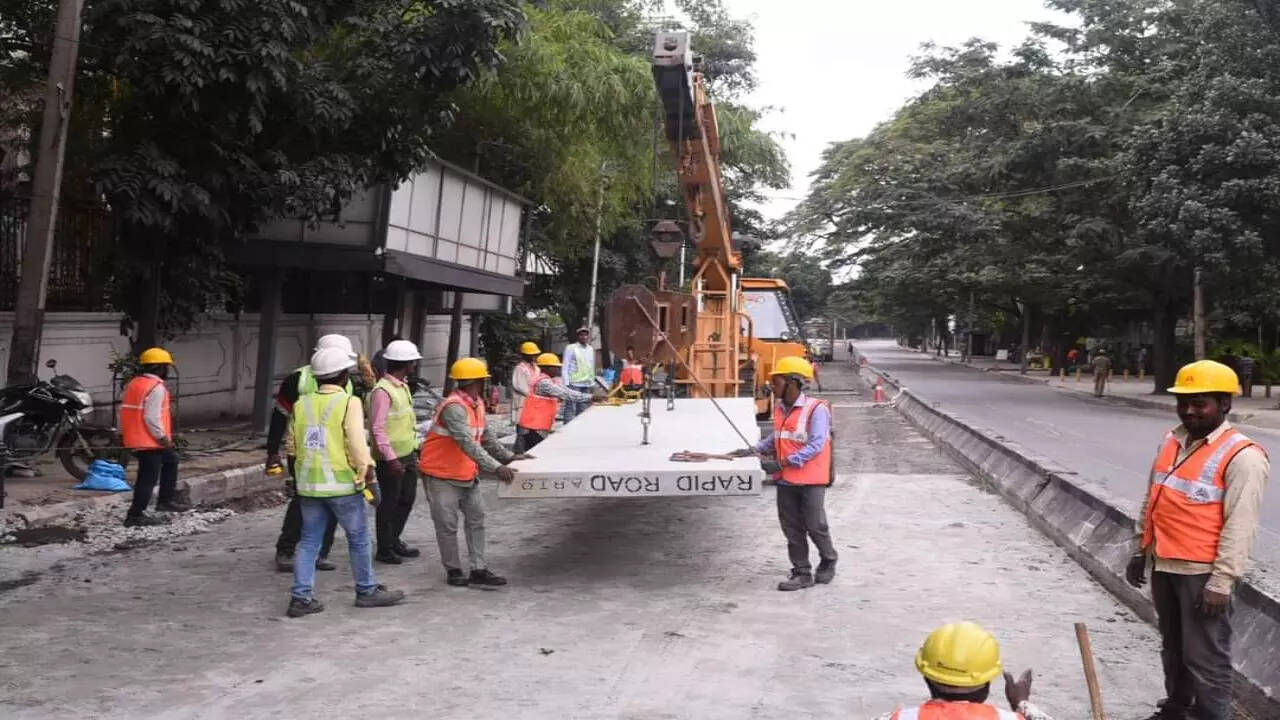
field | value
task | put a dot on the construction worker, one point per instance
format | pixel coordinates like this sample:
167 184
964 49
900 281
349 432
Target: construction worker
1101 372
1196 529
521 378
395 443
459 446
147 430
801 444
331 471
958 662
632 376
296 384
579 371
540 409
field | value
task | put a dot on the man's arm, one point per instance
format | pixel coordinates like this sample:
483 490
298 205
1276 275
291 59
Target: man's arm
520 380
357 445
1246 479
495 447
379 407
570 366
455 420
819 435
152 409
285 399
547 388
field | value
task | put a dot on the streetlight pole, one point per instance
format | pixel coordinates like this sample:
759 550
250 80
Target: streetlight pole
595 256
1198 311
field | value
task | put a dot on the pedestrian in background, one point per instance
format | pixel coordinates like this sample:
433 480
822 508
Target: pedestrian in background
395 443
1246 365
1101 372
1195 530
1073 357
579 371
146 426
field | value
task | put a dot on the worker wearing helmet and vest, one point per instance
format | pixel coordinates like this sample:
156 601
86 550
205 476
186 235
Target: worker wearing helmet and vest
296 384
1196 529
395 442
458 447
958 662
579 371
631 378
522 376
540 409
147 430
801 443
332 470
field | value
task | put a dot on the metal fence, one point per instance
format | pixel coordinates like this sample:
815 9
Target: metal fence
79 267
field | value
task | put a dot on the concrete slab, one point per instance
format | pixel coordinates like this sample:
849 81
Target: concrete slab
600 454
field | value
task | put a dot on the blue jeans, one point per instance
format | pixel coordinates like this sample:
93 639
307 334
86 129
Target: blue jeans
349 509
574 409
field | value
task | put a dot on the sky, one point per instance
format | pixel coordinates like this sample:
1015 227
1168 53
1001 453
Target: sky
836 68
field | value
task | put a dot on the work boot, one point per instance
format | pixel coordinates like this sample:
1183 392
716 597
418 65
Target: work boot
826 571
456 578
172 506
299 607
284 561
380 596
799 580
324 564
405 551
388 556
484 578
143 520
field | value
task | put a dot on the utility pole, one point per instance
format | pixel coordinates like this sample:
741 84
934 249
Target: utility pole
595 256
968 353
1198 316
28 316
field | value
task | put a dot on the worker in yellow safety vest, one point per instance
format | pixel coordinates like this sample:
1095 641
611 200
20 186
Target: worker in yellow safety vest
800 444
958 662
458 447
579 371
395 443
331 472
1195 530
146 426
543 403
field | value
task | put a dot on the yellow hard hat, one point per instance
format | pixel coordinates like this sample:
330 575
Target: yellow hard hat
960 655
155 356
548 360
529 348
469 368
793 365
1206 376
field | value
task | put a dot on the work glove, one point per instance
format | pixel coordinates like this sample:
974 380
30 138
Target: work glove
771 466
1136 572
373 494
1017 691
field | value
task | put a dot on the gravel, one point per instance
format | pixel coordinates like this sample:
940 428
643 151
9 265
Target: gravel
103 530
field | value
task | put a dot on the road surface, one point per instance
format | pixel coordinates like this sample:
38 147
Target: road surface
1104 442
654 608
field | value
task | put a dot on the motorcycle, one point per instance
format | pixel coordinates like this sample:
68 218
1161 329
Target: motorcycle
52 416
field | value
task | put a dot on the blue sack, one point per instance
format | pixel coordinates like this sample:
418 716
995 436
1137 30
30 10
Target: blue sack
104 475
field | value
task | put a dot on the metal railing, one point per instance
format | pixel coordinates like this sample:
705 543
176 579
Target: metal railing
79 267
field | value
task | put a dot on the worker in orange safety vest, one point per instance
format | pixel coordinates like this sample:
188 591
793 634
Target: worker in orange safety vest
1195 531
146 427
543 403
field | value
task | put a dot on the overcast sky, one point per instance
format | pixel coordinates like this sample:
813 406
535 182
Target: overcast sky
836 68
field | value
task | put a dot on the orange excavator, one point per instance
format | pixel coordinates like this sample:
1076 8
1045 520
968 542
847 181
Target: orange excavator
722 338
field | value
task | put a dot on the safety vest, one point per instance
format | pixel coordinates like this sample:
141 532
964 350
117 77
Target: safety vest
943 710
133 426
791 433
584 360
442 456
321 468
400 419
539 411
307 383
1184 501
524 371
631 375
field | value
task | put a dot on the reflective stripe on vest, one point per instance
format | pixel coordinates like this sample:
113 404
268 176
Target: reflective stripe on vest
539 411
584 360
441 455
1184 501
401 431
942 710
791 433
322 469
133 423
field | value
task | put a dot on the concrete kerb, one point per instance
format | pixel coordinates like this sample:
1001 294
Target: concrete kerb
1097 534
209 488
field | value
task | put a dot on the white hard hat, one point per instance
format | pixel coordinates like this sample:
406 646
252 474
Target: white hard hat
401 351
329 361
341 342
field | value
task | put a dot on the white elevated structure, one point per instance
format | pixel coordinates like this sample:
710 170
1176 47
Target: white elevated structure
599 454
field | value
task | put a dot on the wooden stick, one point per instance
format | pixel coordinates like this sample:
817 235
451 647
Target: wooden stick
1090 672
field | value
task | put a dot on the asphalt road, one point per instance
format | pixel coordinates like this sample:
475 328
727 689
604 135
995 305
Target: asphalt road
617 609
1103 442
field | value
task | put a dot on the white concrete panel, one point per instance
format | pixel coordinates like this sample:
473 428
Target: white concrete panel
473 215
398 239
447 251
468 256
419 244
426 193
401 201
510 237
600 454
451 207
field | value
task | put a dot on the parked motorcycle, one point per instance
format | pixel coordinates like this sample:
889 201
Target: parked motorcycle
52 416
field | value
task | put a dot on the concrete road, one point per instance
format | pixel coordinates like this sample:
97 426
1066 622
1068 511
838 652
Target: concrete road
661 608
1105 443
